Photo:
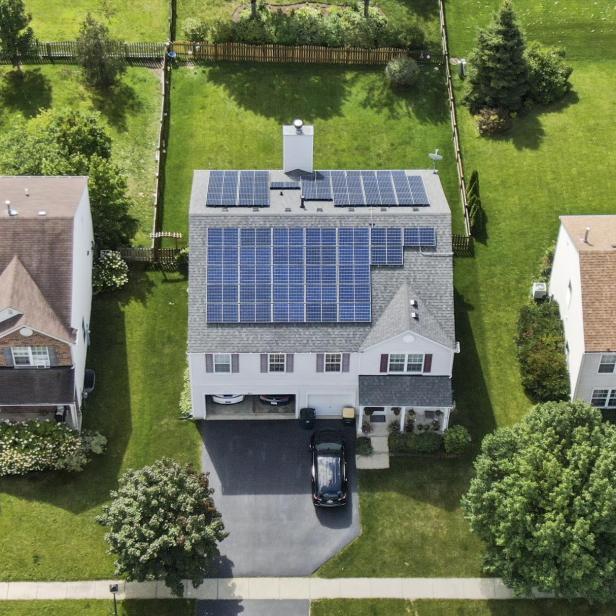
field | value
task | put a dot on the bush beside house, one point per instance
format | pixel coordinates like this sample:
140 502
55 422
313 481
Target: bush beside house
541 352
418 443
32 446
110 272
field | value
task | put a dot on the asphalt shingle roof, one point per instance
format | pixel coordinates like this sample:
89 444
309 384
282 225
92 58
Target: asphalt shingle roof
37 386
405 390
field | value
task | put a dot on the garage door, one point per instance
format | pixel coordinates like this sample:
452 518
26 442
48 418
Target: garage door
329 404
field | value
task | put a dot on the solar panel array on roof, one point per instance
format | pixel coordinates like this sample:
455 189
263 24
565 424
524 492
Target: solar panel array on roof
238 189
300 275
361 188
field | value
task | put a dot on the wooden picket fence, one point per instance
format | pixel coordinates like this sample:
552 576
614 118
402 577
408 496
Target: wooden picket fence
66 51
463 245
137 254
304 54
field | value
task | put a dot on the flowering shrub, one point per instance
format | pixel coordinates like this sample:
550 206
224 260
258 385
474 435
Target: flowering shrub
110 272
185 397
493 121
32 446
402 72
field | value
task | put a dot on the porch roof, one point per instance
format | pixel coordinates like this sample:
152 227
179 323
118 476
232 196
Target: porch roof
405 390
37 386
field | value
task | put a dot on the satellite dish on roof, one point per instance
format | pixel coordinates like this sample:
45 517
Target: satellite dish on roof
435 157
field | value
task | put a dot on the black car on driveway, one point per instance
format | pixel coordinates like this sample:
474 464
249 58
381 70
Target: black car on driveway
329 469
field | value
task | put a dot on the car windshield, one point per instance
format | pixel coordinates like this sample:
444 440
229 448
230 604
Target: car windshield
328 446
328 472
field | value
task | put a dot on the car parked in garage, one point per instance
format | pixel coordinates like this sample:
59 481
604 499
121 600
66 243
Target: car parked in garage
227 398
329 469
276 399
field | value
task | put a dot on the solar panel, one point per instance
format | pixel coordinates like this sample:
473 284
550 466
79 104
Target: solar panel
418 190
238 188
386 246
317 186
420 237
386 188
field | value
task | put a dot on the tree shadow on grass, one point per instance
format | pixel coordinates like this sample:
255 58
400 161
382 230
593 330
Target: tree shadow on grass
426 100
283 91
107 411
28 92
117 103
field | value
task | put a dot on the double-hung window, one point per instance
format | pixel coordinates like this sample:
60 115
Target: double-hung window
399 362
222 362
31 357
277 362
608 363
604 398
333 362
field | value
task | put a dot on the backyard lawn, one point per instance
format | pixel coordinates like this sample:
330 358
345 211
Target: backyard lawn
138 20
392 607
98 608
47 527
229 116
131 112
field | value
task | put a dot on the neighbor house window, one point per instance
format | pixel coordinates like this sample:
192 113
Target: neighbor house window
604 398
608 363
222 362
333 362
277 362
37 357
398 362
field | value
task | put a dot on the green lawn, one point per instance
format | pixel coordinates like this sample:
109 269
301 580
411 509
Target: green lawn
393 607
98 608
47 527
412 525
229 116
131 112
418 14
138 20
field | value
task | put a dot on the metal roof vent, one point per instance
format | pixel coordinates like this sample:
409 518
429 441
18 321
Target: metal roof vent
383 209
255 209
414 315
11 211
27 192
287 209
413 303
351 209
42 212
319 209
298 125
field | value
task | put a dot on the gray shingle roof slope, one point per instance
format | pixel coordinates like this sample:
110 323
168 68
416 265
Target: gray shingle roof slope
37 386
426 276
44 244
20 292
405 390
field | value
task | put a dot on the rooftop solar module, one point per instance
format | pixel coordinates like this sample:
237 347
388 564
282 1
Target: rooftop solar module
238 189
300 275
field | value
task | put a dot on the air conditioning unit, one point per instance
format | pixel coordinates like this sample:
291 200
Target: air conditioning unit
539 290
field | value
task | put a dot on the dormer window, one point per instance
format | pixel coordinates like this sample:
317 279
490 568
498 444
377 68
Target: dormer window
31 357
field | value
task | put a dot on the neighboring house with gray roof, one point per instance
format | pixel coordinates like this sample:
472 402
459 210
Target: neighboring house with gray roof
583 282
310 285
46 244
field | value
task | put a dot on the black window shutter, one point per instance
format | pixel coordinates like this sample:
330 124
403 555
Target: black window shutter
235 362
8 357
289 362
263 362
53 356
384 362
346 361
427 367
320 362
209 362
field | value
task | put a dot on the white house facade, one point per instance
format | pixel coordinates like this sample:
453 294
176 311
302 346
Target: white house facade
332 289
583 282
46 252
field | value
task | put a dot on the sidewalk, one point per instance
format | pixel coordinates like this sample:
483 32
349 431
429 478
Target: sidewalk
271 588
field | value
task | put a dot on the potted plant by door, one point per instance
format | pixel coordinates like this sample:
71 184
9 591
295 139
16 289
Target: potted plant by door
396 410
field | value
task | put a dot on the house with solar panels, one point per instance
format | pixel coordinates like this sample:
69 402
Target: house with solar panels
320 288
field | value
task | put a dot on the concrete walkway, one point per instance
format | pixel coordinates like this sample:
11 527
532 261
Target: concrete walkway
297 588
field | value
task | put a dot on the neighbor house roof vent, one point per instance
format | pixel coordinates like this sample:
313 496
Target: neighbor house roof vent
11 211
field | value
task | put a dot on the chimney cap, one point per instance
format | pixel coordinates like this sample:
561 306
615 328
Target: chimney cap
298 123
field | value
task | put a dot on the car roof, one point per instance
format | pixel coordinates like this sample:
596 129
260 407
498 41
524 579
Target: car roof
328 434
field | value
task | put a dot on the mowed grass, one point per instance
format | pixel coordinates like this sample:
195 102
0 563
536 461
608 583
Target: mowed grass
138 20
47 523
422 14
131 113
98 608
391 607
412 525
230 116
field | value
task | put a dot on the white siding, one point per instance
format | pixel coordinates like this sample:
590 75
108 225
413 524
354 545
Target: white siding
81 301
565 276
589 377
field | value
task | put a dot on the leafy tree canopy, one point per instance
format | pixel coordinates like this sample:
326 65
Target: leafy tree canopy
162 524
16 36
498 76
543 499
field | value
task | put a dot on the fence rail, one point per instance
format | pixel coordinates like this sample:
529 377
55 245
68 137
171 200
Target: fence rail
139 254
463 245
454 120
306 54
66 52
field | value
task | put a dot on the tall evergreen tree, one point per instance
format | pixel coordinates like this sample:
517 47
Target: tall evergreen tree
16 36
498 69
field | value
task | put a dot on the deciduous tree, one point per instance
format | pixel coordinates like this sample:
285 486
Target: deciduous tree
543 499
16 35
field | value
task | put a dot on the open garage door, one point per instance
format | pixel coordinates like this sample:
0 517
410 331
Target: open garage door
329 404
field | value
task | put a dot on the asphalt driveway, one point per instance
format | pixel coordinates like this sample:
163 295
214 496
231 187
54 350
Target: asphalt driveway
253 608
260 471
